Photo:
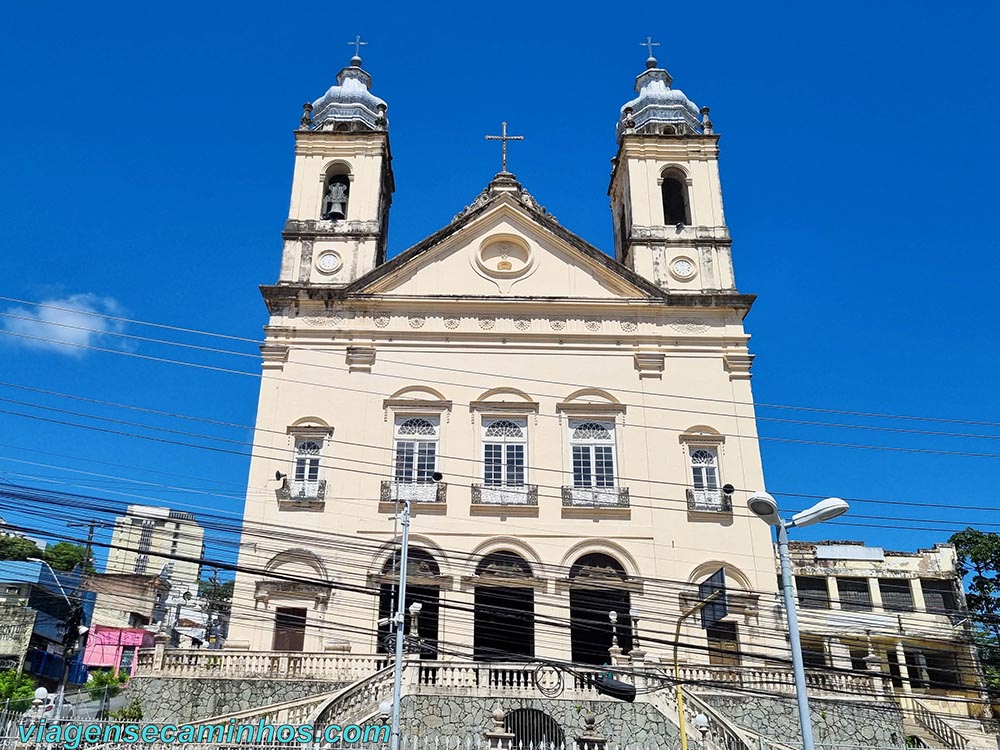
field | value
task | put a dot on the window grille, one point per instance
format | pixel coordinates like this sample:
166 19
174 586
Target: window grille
855 595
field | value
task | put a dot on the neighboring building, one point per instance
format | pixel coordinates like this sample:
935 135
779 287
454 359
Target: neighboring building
146 538
125 600
115 648
33 611
899 614
568 427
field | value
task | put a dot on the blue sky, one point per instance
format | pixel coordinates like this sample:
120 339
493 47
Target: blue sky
147 155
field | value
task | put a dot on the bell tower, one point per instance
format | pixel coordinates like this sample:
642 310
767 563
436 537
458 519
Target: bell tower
342 185
666 199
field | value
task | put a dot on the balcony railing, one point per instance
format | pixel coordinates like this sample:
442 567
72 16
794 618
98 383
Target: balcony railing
595 497
291 491
415 492
525 494
712 501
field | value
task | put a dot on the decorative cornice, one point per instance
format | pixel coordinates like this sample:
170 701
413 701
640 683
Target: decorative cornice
506 407
416 404
273 356
360 358
738 365
650 364
577 408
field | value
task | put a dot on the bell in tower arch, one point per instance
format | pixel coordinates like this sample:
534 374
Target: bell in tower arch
335 199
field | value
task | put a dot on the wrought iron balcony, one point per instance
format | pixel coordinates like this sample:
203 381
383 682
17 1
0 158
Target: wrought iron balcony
525 494
709 501
595 497
292 491
415 492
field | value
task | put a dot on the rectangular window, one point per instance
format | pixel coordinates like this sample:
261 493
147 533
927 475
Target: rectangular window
939 596
415 450
854 594
592 447
897 596
942 669
305 474
813 593
723 645
289 629
504 442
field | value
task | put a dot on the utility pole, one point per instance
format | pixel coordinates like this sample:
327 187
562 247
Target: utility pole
399 620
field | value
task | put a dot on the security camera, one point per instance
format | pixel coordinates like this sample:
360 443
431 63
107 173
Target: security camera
728 490
385 621
766 507
680 226
437 476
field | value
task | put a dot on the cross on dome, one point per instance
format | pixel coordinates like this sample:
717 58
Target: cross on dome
358 44
649 44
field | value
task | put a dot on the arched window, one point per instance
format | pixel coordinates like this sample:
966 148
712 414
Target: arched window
504 444
422 586
336 192
305 482
416 449
596 590
504 613
593 450
533 729
675 200
704 469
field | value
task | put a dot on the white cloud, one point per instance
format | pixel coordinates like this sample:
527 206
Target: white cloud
65 325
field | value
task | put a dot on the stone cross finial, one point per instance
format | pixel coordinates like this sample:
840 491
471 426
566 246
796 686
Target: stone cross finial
358 44
503 138
649 44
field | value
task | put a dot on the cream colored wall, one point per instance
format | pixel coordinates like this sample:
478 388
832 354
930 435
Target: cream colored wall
659 540
125 545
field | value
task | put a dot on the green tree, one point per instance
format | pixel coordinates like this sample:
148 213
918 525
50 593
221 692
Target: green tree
104 682
217 593
979 563
16 691
131 712
64 556
17 548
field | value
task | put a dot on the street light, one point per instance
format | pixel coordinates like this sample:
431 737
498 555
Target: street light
765 506
74 621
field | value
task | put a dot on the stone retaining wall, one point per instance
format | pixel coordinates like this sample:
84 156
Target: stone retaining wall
175 699
834 722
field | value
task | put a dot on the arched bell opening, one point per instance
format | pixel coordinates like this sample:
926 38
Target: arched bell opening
597 590
421 586
674 192
504 609
336 193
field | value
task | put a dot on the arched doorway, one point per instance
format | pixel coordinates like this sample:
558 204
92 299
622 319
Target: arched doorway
504 609
422 585
533 729
596 589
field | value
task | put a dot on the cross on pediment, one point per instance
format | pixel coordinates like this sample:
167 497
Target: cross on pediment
649 44
503 138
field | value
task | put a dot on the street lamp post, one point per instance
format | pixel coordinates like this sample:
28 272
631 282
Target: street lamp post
765 506
73 622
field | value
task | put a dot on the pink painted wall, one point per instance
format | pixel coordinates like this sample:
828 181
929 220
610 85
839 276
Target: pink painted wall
107 646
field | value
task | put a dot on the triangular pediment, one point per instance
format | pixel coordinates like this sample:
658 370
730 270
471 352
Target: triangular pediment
505 248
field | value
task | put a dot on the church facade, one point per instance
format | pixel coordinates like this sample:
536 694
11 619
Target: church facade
574 434
563 422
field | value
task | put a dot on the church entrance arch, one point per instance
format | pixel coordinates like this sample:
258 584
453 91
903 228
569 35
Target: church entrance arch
504 609
596 590
423 586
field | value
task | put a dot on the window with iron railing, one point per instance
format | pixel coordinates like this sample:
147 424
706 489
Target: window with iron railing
897 596
416 450
813 593
504 449
593 450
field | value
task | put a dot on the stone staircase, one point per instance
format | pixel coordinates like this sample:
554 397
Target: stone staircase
945 731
